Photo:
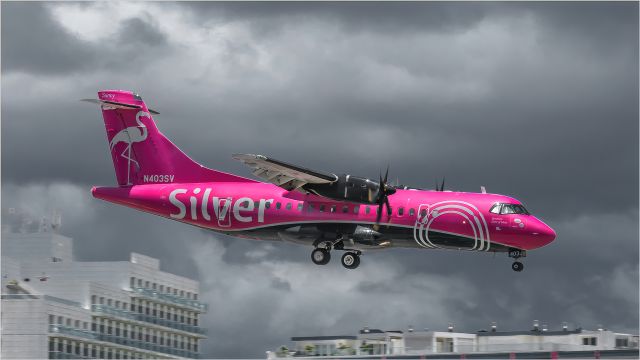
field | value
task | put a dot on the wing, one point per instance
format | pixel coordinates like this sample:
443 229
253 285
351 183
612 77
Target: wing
285 175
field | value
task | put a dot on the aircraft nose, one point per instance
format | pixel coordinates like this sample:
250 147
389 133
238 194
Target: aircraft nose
543 233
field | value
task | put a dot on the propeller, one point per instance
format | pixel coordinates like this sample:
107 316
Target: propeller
441 187
385 190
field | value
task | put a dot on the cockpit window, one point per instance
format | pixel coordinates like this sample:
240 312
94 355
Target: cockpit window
519 209
507 209
495 208
512 209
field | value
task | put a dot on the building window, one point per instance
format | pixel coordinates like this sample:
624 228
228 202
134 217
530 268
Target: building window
52 344
622 342
590 341
52 319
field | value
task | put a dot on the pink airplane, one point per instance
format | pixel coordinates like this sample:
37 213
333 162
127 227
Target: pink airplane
298 205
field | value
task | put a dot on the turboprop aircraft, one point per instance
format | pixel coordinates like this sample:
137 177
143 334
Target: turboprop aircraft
330 212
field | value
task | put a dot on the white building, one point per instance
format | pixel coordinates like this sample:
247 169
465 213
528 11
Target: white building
55 307
430 344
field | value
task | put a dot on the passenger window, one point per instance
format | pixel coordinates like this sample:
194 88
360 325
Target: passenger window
423 212
367 210
400 211
278 205
267 204
345 209
310 208
412 212
507 209
495 209
356 209
300 207
321 208
288 206
333 208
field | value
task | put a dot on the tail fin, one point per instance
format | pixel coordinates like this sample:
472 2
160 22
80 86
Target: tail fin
142 154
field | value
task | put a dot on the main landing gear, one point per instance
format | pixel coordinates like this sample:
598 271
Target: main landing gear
517 254
321 255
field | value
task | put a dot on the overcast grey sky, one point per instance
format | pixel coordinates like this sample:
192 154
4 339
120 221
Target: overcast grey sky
534 100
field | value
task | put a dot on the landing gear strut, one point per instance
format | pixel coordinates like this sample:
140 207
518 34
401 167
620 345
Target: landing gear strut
517 254
321 255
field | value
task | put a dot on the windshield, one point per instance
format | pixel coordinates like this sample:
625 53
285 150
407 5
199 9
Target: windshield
508 209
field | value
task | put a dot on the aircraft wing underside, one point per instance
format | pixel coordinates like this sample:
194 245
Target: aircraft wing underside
285 175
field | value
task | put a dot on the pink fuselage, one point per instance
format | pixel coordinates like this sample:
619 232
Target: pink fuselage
263 211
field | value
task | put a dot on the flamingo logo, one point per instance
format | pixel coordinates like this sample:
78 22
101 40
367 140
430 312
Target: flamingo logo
130 135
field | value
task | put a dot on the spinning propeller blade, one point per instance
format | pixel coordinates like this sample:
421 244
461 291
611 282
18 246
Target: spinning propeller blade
384 191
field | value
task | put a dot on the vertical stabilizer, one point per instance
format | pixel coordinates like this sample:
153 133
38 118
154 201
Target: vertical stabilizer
141 153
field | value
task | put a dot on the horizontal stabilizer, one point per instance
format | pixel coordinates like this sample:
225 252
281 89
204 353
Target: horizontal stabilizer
117 105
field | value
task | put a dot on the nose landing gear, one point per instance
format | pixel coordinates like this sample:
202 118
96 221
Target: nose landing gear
517 254
517 266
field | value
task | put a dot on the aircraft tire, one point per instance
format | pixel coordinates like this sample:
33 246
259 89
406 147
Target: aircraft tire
350 260
517 266
320 256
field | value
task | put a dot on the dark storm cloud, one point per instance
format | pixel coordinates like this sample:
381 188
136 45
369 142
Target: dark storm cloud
534 100
364 16
33 42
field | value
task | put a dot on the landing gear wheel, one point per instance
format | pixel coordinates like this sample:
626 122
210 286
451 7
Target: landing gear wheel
517 266
320 256
350 260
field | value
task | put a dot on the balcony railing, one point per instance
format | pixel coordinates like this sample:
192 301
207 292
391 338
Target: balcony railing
65 355
62 329
174 299
105 309
120 340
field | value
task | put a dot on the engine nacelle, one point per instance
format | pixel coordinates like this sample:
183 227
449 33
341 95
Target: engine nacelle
348 188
